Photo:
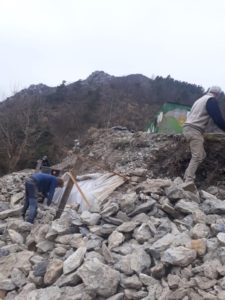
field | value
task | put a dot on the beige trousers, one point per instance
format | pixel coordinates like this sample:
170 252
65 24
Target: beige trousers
196 142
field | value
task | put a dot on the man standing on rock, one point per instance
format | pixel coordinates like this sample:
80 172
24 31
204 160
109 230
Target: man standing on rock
204 110
43 183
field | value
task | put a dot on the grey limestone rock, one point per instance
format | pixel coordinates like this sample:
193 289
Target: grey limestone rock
49 293
115 239
99 277
74 260
179 256
53 271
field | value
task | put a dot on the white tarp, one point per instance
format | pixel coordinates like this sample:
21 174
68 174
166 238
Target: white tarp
96 187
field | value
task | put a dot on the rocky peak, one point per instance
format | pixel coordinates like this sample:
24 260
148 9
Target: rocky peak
35 89
40 89
98 78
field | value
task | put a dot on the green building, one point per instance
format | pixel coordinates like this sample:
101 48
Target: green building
169 119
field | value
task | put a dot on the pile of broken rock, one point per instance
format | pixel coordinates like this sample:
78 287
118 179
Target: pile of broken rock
156 239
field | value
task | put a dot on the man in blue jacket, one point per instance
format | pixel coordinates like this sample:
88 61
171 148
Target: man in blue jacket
43 183
204 111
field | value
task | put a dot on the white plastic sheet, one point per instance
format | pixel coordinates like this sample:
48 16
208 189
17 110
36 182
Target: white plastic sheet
96 187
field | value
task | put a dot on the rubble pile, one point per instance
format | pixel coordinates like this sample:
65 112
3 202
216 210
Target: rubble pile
157 155
152 239
11 187
125 152
161 239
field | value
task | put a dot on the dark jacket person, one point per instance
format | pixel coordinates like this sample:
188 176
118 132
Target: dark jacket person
45 162
42 183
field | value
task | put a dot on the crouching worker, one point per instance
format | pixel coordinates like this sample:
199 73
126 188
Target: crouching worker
43 183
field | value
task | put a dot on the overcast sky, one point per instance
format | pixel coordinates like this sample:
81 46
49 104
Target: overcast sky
47 41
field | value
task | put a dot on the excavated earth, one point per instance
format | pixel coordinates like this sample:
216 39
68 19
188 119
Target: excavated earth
153 238
163 156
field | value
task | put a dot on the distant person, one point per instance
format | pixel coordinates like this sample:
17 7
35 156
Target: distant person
203 111
45 161
39 183
76 147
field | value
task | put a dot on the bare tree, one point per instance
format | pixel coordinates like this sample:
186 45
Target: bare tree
16 131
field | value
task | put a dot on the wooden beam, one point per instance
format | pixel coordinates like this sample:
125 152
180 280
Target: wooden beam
79 189
64 198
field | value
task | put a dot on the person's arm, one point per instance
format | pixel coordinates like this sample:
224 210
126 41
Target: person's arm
213 110
51 191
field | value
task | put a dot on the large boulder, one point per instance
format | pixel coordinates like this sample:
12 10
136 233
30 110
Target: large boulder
50 293
179 256
74 260
19 260
99 278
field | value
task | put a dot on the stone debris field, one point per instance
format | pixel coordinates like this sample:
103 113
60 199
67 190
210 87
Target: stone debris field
153 238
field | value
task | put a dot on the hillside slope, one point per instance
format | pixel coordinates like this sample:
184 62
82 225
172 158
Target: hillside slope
42 120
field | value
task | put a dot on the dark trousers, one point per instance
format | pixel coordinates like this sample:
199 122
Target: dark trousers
30 200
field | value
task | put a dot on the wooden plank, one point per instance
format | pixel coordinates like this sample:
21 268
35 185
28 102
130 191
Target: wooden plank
79 189
64 198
